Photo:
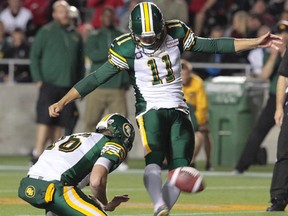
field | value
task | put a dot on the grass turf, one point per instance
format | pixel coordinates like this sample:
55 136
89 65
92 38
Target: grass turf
225 194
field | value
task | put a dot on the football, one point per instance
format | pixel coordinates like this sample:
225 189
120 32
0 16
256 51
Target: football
187 179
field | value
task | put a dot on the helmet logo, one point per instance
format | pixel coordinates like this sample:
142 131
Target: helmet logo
127 129
30 191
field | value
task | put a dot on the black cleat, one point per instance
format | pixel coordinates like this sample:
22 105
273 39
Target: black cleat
277 205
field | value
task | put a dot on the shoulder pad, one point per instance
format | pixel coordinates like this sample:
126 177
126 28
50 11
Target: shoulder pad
178 29
121 48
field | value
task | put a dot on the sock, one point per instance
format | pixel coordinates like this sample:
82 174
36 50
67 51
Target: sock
153 184
170 194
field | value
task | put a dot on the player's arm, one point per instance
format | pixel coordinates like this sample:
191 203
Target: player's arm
84 87
280 99
281 88
266 40
98 184
269 66
92 49
230 45
190 42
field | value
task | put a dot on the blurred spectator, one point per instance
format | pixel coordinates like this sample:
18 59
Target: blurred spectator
41 10
3 4
194 94
285 7
114 91
4 46
197 12
256 56
75 21
171 9
85 29
254 22
110 96
238 29
15 16
124 18
98 6
57 63
284 15
74 15
259 8
276 7
265 121
218 15
19 49
237 5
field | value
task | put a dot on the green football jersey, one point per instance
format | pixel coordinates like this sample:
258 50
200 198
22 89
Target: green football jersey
154 74
71 158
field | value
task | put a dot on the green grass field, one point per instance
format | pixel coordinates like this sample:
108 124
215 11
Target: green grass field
225 194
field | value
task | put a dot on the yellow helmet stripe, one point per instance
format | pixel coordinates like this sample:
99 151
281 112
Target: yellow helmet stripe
106 117
146 17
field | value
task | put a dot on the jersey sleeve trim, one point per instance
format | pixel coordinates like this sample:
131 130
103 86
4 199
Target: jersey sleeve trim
188 40
117 60
113 148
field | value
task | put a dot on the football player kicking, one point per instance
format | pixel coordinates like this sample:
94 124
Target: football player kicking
54 183
151 53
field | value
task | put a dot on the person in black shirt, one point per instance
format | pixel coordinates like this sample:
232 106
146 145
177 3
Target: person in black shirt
279 184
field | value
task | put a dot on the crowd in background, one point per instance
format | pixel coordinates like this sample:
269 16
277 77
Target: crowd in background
21 19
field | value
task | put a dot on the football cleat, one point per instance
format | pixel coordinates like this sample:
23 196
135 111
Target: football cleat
162 211
277 205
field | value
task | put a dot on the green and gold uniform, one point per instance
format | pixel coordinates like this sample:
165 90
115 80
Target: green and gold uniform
66 165
161 112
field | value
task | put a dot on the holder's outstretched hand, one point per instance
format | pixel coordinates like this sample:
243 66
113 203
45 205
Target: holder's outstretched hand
116 201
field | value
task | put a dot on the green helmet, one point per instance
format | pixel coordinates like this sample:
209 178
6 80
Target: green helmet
146 24
119 127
